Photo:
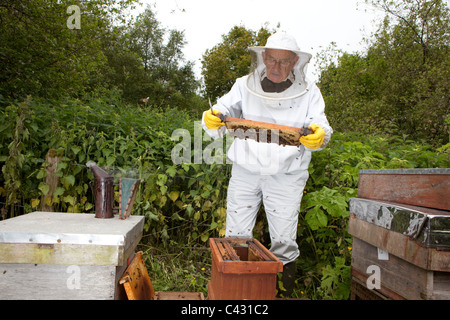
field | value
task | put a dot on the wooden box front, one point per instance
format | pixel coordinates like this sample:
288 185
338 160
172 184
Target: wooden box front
247 278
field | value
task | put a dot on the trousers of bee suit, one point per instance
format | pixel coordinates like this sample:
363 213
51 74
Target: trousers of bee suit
281 195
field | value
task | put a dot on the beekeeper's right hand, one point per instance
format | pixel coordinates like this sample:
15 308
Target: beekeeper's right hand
212 121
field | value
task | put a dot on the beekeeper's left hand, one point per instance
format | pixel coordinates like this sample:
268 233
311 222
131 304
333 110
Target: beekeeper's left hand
315 140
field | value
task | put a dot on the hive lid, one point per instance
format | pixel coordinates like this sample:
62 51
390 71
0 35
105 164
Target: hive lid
430 227
70 228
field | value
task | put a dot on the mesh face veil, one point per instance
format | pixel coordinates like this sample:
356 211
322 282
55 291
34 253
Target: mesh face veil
299 86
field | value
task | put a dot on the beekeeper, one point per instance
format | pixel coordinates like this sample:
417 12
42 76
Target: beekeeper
276 91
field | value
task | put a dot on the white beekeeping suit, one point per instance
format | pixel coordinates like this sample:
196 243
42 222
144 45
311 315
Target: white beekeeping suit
270 172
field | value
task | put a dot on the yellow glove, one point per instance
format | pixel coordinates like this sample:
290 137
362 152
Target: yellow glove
212 121
314 140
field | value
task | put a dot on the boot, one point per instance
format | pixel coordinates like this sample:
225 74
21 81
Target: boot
287 278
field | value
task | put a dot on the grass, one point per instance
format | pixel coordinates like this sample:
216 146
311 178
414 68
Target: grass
177 267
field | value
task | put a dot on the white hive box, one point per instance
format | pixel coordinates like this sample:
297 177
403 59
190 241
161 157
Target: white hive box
52 255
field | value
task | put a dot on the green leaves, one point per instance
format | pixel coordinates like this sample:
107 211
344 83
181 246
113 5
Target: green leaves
321 204
44 188
335 282
173 195
316 218
190 193
68 180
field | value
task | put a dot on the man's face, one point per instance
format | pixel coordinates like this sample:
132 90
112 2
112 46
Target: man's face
279 64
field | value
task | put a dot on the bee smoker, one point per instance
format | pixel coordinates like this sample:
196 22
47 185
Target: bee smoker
103 192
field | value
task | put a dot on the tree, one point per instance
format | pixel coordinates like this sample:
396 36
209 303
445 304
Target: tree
401 84
415 63
41 55
163 76
350 92
230 59
423 22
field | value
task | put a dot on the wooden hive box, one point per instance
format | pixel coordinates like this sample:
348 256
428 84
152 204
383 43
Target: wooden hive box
400 224
418 187
242 269
409 245
51 255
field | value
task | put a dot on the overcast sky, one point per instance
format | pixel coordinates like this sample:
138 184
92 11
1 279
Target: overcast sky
314 23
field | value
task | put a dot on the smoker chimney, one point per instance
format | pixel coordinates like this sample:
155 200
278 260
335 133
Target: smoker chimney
103 191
